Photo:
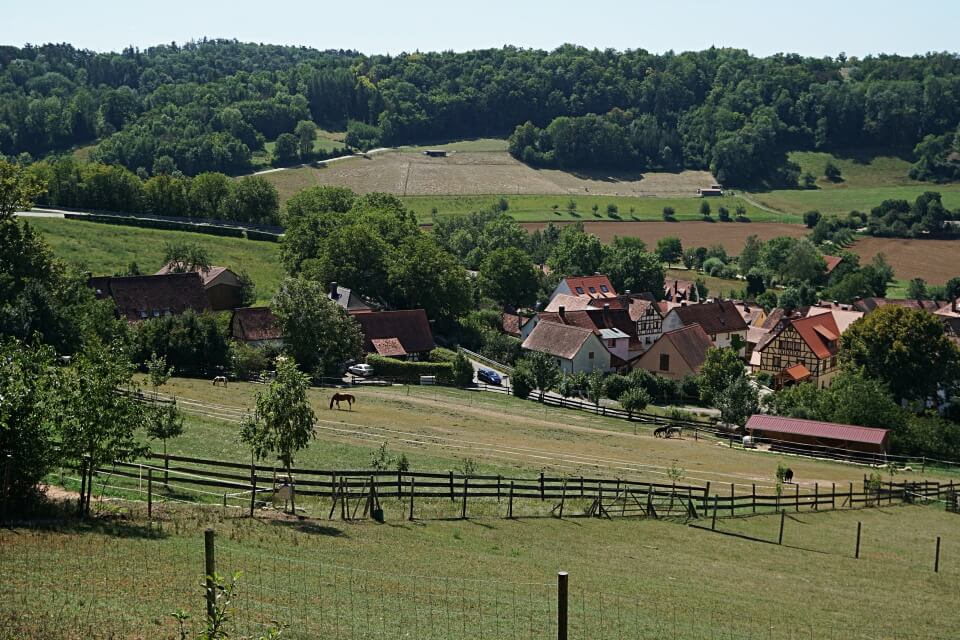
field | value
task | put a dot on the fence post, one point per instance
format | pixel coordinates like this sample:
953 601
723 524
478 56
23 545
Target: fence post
210 568
510 503
713 524
451 487
399 484
541 486
562 593
731 499
498 488
796 494
857 552
753 492
706 497
150 494
86 478
816 496
850 497
783 516
463 506
412 489
253 488
166 470
833 496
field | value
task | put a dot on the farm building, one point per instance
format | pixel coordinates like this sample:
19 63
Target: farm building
720 320
257 326
435 153
346 298
813 434
676 353
221 284
678 291
575 348
401 334
143 297
710 192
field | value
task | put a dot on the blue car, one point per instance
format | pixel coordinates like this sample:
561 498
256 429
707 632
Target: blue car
489 376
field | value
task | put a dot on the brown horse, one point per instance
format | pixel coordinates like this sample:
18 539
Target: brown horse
345 397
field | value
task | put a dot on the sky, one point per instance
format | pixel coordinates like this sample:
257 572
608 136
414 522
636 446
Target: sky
813 27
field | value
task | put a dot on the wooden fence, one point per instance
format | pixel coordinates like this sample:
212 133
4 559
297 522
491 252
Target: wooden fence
252 485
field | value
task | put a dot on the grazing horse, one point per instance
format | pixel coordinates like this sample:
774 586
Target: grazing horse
345 397
788 475
668 431
220 380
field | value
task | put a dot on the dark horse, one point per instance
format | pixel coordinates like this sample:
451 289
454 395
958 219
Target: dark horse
668 431
788 475
342 397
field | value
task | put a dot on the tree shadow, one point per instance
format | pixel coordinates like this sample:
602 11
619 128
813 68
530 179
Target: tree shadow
309 527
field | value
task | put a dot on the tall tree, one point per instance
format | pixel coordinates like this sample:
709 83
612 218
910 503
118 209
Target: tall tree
544 370
306 134
509 277
576 253
631 267
18 189
282 423
669 249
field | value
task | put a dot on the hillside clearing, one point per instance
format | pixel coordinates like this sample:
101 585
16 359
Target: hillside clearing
936 261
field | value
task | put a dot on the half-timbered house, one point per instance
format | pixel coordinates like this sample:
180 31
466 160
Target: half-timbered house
802 349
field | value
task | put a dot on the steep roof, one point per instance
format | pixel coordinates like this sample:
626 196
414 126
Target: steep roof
715 317
639 306
678 290
560 340
597 286
409 327
797 372
691 342
252 324
820 332
832 263
843 317
143 297
817 429
595 320
207 276
347 299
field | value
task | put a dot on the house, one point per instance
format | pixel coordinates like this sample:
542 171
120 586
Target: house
810 342
613 326
843 317
720 320
590 287
645 312
678 291
346 298
676 353
575 349
143 297
222 285
257 326
572 303
867 305
832 263
752 314
402 334
512 323
794 433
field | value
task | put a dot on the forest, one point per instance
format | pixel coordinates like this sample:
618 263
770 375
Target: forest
207 106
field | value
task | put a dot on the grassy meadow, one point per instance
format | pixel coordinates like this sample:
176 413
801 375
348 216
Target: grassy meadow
106 249
442 577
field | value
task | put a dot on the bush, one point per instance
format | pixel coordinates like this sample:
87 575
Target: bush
462 371
522 382
616 385
713 266
247 362
175 225
724 214
192 343
439 354
410 372
500 347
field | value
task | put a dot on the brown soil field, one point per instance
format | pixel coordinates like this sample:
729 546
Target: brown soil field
731 235
936 261
478 173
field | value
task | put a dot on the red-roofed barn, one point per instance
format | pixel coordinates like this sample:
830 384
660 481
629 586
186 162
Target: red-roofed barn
794 433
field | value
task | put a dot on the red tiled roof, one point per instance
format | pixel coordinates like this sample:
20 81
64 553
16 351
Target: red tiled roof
871 304
817 331
715 317
817 429
560 340
797 372
571 303
143 297
252 324
639 306
409 326
591 286
388 347
206 275
832 262
510 322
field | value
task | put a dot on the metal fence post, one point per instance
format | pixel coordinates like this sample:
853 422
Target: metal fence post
783 516
210 568
562 599
936 558
150 493
857 552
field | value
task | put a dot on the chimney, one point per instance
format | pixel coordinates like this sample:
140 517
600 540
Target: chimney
563 313
606 314
683 303
333 291
953 305
675 287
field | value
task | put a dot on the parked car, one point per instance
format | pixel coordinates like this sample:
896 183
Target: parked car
489 376
362 369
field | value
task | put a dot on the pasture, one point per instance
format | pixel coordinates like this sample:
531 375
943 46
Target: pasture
486 576
936 261
106 249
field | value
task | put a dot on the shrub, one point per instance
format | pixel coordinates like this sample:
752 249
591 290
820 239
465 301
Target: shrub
668 213
522 382
247 361
704 208
410 372
724 214
634 399
713 266
462 371
616 385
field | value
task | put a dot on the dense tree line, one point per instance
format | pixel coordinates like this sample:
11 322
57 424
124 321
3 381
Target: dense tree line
208 105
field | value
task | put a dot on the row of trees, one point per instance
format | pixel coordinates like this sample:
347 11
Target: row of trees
208 105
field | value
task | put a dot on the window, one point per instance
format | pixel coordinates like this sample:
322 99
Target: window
580 290
664 362
593 289
612 342
590 355
604 288
776 362
833 362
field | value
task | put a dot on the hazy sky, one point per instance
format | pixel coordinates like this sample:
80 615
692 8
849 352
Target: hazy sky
811 27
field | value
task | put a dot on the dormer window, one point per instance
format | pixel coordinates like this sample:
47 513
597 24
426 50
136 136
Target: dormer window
580 290
593 289
604 288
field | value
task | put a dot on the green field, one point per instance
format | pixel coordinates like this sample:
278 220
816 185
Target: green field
326 142
106 249
716 286
442 577
480 144
528 208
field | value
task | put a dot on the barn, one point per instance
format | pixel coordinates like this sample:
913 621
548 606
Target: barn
796 433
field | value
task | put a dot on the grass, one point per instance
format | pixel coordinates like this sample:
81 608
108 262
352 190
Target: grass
539 208
486 576
477 145
715 285
107 249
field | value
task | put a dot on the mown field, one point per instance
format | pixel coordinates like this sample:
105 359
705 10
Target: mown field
485 576
106 249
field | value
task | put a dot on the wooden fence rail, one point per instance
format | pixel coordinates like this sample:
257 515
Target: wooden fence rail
608 496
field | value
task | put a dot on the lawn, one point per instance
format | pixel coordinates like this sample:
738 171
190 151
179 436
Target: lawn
486 576
540 208
480 144
721 287
106 249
